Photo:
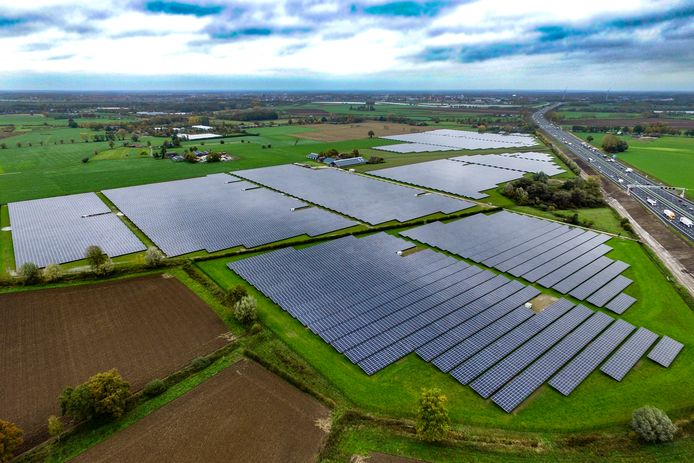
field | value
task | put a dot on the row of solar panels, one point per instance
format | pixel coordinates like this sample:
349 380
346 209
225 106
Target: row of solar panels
448 140
567 259
376 306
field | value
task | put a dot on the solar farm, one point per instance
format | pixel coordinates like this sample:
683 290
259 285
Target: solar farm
58 230
367 199
219 212
567 259
451 140
467 321
470 175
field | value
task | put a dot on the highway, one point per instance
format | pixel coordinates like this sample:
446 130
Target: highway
648 192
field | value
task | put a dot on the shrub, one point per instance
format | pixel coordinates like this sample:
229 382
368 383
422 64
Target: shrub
103 395
153 257
154 388
200 363
95 256
235 294
375 160
10 440
55 426
612 144
653 425
245 310
214 157
256 328
433 422
52 272
29 273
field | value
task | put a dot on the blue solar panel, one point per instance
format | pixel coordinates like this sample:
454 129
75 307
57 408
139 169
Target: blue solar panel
624 359
665 351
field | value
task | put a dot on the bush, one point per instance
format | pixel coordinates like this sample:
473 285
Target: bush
200 363
612 144
103 395
154 388
433 422
29 273
85 160
245 310
653 425
52 272
375 160
234 295
256 328
214 157
10 440
55 426
153 257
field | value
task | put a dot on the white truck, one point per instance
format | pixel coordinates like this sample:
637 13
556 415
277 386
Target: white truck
687 222
669 214
628 169
652 202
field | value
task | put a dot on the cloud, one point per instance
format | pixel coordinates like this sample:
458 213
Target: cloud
350 43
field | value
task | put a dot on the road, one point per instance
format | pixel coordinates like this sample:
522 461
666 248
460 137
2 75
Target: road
652 194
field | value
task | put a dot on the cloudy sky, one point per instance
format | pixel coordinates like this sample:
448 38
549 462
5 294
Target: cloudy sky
356 44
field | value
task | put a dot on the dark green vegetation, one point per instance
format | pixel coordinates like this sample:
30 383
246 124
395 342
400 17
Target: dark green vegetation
540 191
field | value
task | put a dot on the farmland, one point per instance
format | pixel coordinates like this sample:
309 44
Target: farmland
264 419
145 327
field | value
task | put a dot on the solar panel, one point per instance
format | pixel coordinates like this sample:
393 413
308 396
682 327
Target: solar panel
576 371
512 163
59 230
574 279
517 360
623 360
364 198
519 388
448 139
214 213
449 176
599 280
609 291
620 303
665 351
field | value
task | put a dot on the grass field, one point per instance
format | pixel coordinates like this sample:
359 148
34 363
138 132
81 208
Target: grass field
667 158
394 390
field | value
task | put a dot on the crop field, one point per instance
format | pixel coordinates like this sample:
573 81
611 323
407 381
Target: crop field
341 132
394 390
667 158
145 327
243 413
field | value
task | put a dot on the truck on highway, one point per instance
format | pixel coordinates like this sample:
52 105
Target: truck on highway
669 214
652 202
687 222
628 169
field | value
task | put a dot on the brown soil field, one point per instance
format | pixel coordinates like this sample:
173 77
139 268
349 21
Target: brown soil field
676 123
54 338
242 414
341 132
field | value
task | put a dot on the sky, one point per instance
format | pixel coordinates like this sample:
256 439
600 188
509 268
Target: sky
347 45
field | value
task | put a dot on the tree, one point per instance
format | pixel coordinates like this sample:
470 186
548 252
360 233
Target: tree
3 146
612 144
103 395
29 273
371 134
55 426
153 257
10 440
653 425
433 422
111 144
590 138
245 310
235 294
121 133
72 124
52 272
100 263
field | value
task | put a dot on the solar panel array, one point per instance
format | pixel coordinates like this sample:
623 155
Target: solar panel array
567 259
517 163
59 230
364 198
665 351
376 306
450 176
218 212
448 140
624 359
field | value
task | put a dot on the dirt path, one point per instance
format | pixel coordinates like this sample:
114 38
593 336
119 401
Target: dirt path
242 414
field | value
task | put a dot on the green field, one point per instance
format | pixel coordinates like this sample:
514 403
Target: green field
394 390
668 158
